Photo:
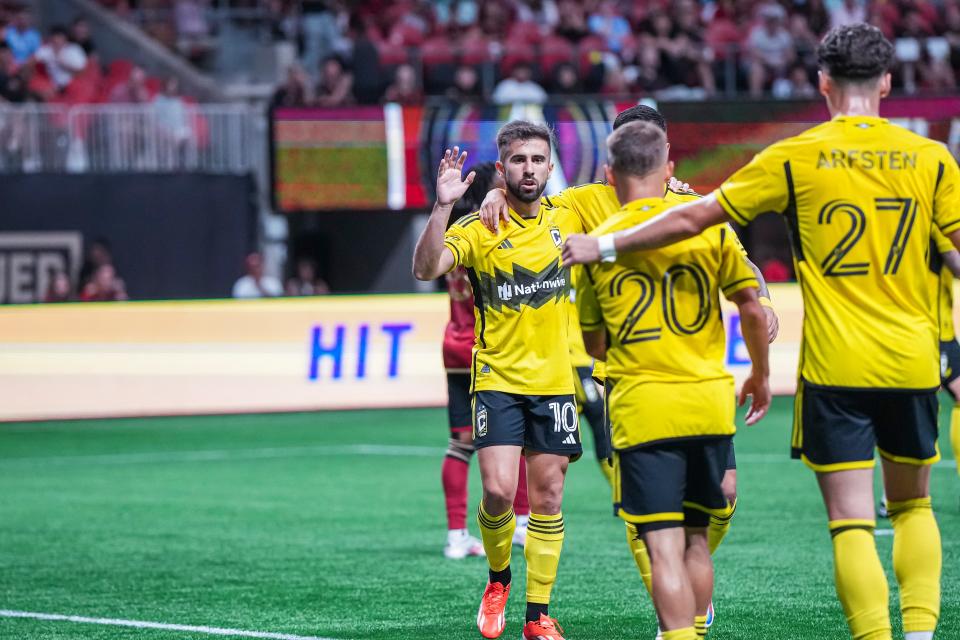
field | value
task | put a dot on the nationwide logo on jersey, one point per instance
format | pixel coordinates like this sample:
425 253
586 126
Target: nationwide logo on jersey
523 287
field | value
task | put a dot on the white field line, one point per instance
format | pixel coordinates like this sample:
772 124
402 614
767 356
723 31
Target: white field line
267 453
141 624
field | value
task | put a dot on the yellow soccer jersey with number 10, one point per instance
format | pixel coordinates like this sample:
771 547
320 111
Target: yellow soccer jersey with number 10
860 196
661 311
521 295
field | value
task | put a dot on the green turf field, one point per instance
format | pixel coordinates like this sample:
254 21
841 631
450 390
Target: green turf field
332 525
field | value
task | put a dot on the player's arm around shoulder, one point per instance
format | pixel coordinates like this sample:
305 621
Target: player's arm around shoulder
436 254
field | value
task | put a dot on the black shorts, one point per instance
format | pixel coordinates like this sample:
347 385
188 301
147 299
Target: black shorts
836 429
459 414
671 484
949 364
544 424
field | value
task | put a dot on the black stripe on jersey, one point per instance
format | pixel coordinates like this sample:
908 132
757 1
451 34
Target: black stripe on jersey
736 282
790 215
940 170
549 203
467 219
478 303
456 250
736 213
936 259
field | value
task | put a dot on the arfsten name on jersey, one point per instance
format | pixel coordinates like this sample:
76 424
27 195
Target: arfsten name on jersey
523 287
867 159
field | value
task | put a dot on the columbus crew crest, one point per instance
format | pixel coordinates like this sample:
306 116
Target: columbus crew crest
481 421
555 234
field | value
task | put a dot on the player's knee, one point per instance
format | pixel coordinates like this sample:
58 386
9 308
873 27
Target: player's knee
459 450
546 497
498 496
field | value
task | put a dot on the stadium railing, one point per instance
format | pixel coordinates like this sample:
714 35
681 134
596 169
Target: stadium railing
212 138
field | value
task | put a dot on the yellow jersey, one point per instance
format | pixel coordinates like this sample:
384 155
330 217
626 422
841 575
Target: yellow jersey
594 203
943 279
521 300
860 196
661 312
578 352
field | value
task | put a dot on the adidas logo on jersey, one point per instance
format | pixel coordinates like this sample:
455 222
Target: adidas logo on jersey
570 440
506 244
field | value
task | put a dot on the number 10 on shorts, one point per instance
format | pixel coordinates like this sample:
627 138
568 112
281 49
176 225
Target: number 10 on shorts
564 416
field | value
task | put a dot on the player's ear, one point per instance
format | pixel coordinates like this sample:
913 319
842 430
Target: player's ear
668 149
499 167
611 179
669 170
824 83
885 85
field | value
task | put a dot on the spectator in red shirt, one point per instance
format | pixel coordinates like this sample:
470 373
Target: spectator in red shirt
105 286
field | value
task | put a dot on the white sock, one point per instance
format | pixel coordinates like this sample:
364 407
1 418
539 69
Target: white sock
522 520
456 534
918 635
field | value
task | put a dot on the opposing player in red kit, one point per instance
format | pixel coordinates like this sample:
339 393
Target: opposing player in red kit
458 340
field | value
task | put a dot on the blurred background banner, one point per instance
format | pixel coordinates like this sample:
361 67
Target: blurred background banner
170 358
384 157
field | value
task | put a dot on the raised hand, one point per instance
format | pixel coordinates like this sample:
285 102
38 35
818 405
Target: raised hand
450 183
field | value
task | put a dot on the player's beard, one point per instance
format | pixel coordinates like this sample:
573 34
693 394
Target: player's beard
525 196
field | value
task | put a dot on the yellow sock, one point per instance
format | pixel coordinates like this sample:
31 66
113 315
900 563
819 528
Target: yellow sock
917 559
700 626
688 633
955 434
861 583
542 551
497 535
640 556
607 470
719 525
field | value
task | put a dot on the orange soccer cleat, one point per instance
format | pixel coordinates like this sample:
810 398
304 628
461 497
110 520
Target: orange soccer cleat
546 628
490 618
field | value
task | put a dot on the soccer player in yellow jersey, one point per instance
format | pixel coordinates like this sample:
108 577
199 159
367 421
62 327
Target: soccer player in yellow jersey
522 383
593 204
654 318
859 197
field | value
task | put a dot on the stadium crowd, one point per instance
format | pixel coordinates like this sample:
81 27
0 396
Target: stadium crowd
371 51
63 67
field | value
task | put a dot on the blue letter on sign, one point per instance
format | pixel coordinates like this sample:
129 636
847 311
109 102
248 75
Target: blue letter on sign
395 331
736 347
318 351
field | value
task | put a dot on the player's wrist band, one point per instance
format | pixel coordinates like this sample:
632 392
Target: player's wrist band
608 253
766 302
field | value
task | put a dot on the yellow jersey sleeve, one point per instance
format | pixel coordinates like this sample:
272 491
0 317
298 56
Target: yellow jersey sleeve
591 319
946 199
735 274
460 238
759 187
941 242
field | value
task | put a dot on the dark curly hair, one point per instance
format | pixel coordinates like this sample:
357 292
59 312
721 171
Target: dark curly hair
855 53
471 200
640 113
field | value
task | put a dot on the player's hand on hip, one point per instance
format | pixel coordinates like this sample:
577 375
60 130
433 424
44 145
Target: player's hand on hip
493 209
773 323
580 249
450 182
758 388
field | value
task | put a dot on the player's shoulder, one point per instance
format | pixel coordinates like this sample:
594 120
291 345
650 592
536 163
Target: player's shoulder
468 220
630 216
672 195
578 192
